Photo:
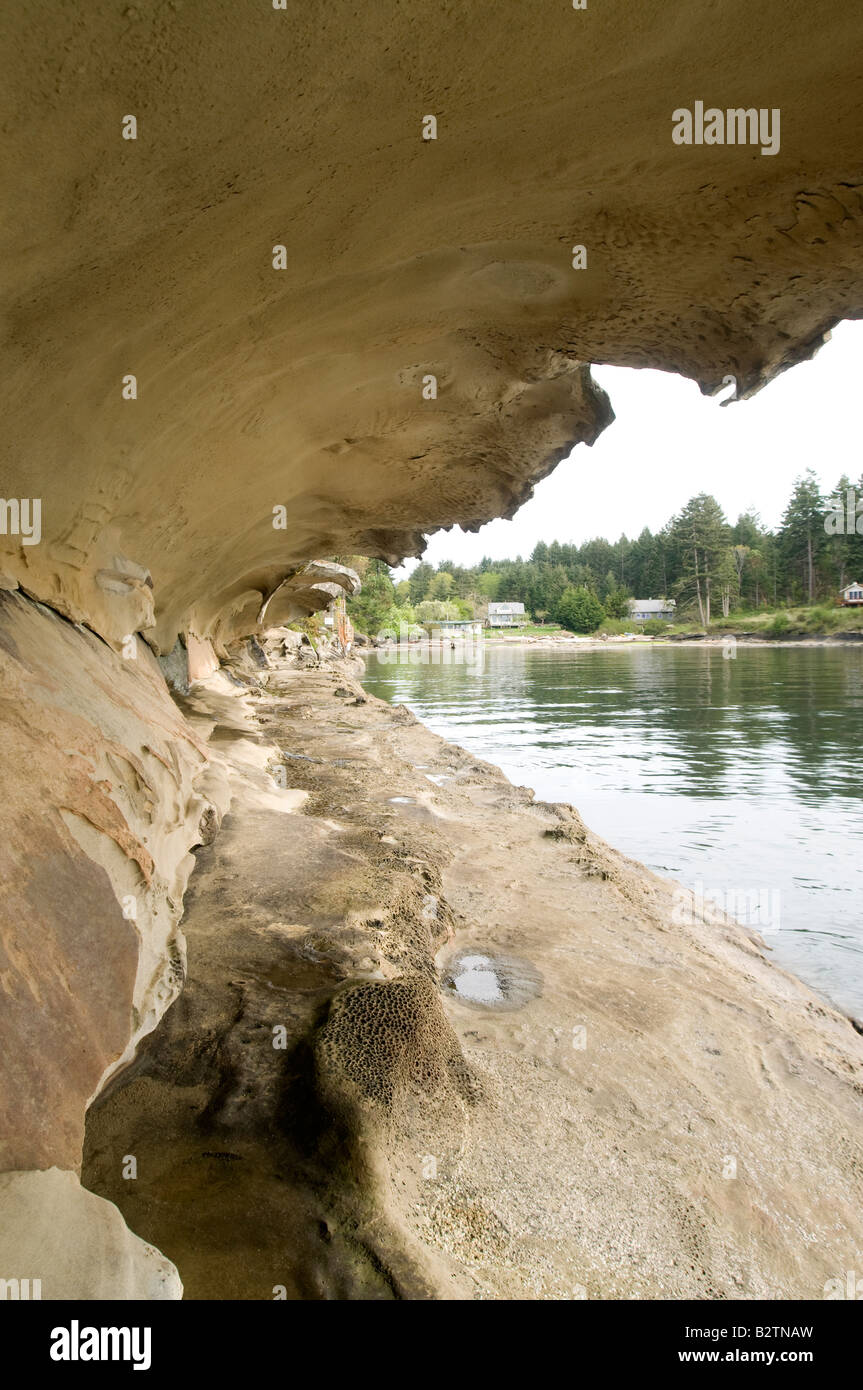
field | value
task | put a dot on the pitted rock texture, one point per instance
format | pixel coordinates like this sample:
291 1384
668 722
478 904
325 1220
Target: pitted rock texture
302 388
389 1040
309 1047
405 1143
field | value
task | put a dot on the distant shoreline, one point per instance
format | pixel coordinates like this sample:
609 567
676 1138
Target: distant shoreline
570 641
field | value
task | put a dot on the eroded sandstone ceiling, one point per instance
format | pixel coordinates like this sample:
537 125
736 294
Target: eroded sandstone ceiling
302 388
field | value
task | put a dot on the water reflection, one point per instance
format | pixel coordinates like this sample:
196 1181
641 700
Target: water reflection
743 771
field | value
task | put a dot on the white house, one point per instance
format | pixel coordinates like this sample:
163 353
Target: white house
642 609
852 595
506 615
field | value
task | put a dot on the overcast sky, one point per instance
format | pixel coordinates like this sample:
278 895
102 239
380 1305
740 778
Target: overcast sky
669 442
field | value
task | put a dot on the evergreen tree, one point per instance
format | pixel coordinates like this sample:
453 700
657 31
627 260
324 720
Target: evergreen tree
841 546
802 536
442 586
374 607
579 610
747 537
727 578
488 585
554 584
616 603
419 582
701 534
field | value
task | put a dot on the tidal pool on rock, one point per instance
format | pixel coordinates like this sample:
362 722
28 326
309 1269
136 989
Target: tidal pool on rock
476 979
491 981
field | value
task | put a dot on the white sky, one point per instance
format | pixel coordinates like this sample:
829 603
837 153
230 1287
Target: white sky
669 442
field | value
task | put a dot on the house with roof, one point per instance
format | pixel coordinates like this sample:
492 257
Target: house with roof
852 595
453 627
641 610
506 615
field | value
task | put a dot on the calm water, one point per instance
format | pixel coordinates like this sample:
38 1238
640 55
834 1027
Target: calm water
732 776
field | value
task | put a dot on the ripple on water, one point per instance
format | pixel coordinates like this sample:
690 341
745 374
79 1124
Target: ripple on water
742 773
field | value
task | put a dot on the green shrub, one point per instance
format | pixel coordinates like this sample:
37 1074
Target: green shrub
579 610
822 616
617 603
654 627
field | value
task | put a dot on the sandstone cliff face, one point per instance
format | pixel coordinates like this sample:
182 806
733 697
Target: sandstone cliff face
100 807
75 1243
99 811
302 388
421 359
